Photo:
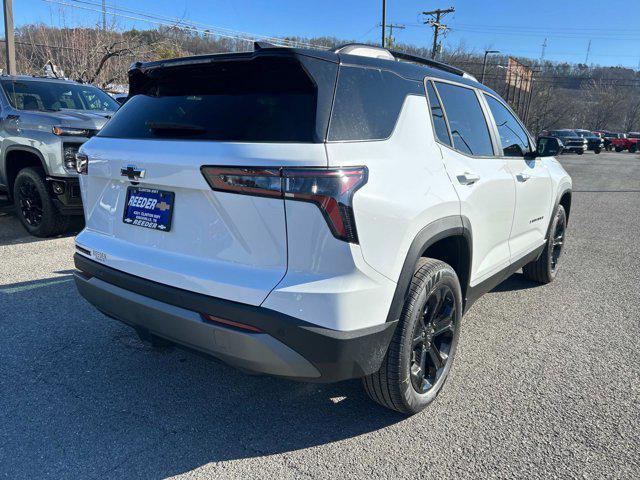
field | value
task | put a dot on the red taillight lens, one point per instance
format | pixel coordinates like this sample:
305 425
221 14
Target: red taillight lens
331 189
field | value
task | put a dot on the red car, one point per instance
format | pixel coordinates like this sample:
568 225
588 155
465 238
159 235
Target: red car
624 142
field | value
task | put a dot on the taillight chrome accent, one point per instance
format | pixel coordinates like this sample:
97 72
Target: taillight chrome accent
331 189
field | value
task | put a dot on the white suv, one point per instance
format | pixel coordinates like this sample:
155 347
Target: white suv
315 215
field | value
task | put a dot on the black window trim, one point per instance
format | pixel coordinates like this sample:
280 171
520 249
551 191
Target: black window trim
491 128
495 126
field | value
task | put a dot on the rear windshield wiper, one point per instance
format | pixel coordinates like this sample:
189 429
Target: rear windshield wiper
160 128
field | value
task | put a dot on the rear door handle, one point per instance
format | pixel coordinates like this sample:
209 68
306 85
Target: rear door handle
523 177
468 178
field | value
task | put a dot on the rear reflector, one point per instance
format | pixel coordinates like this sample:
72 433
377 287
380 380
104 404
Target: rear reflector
331 189
230 323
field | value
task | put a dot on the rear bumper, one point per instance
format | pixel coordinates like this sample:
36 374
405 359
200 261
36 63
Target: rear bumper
286 346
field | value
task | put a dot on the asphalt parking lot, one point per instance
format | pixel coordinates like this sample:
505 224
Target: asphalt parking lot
546 383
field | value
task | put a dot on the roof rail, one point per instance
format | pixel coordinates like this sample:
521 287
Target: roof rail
428 62
372 50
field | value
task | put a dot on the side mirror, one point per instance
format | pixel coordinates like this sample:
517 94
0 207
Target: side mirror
549 147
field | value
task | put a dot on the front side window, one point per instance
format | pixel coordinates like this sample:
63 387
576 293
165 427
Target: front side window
439 123
53 96
514 139
469 130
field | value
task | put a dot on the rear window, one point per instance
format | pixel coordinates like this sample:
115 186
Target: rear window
368 102
260 100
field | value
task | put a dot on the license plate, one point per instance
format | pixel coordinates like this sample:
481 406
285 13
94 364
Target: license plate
148 208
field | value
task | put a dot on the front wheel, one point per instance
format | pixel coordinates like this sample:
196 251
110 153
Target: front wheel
633 149
597 150
618 149
545 268
424 343
34 206
580 152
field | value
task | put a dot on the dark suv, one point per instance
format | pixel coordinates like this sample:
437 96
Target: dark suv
570 139
594 142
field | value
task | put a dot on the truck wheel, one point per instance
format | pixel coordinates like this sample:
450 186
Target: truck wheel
597 150
34 206
424 343
545 268
619 149
580 152
633 149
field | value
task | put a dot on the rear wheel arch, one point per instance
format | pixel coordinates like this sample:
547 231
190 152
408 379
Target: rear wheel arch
447 239
565 201
18 157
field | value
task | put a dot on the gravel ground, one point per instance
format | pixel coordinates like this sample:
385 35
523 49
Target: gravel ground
546 383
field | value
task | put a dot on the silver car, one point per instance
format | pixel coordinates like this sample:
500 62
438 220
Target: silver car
43 122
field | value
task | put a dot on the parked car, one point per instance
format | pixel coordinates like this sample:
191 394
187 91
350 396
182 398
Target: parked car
571 140
43 123
594 142
624 142
606 137
315 215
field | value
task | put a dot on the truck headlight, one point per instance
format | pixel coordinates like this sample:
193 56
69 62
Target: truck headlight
69 153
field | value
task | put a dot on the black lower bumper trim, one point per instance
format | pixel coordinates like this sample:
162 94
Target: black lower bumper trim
337 355
66 194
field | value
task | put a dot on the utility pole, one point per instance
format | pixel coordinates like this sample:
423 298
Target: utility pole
391 26
586 59
104 15
9 37
436 16
544 47
384 20
484 63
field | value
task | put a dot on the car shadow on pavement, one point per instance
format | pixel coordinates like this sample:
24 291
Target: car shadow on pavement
517 281
82 397
12 232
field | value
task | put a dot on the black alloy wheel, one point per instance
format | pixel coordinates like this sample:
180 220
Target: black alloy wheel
422 350
29 202
432 339
34 205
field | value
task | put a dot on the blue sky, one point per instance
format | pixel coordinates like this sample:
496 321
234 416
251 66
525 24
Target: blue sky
516 27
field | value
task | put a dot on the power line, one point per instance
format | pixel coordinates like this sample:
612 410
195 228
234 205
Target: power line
181 24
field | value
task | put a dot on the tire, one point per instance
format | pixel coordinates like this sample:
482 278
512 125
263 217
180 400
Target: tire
580 152
597 151
618 149
418 344
633 149
34 206
545 268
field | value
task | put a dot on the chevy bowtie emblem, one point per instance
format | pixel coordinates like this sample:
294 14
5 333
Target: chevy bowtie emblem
163 206
132 173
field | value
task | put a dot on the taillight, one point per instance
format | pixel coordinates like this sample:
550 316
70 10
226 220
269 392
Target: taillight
331 189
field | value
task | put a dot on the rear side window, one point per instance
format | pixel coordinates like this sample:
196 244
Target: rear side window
367 103
260 100
514 139
439 123
469 130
